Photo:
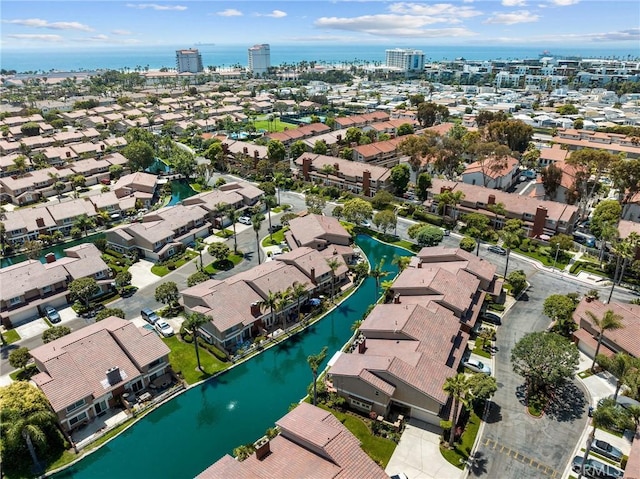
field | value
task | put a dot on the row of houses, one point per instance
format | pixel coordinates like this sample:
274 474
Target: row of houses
29 286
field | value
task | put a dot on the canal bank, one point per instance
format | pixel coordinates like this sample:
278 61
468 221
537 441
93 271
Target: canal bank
184 436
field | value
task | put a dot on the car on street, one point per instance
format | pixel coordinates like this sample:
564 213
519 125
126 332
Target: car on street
366 224
149 315
52 314
607 450
274 228
164 328
400 475
491 318
245 220
497 249
477 366
596 469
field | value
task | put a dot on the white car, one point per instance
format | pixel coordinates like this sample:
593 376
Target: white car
164 328
477 366
245 220
366 224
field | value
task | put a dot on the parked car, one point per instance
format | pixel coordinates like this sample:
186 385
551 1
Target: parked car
52 314
497 249
477 366
149 315
596 469
607 450
491 318
164 328
366 224
400 475
245 220
274 228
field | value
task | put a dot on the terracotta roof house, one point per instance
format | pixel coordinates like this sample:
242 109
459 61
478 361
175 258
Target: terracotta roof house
360 121
401 360
302 132
124 359
360 178
481 173
611 142
30 285
381 153
626 339
311 442
317 232
552 155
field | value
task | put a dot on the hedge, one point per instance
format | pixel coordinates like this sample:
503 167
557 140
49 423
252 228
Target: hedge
428 217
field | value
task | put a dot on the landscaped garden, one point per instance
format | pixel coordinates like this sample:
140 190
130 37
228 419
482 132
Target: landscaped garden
183 360
162 268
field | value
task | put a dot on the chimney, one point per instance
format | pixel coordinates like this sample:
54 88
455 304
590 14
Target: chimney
366 183
113 375
40 222
336 166
255 154
68 154
50 257
245 150
312 273
539 221
339 138
444 188
102 147
263 448
306 167
396 298
225 148
491 200
419 263
362 345
255 309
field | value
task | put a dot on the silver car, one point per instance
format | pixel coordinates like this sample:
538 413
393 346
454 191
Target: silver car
477 366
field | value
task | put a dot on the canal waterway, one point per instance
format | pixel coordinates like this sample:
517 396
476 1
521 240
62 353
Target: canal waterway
57 250
180 190
184 436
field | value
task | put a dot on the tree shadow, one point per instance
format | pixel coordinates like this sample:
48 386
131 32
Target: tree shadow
521 394
478 465
524 296
568 403
494 413
8 349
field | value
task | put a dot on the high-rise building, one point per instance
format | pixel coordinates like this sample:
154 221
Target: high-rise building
259 59
189 61
406 60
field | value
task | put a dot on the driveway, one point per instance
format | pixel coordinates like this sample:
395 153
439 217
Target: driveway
141 274
418 454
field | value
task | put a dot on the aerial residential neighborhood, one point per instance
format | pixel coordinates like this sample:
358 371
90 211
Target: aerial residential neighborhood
316 270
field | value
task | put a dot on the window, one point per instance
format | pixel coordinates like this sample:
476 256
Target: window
100 274
156 362
46 289
16 300
80 417
360 404
75 405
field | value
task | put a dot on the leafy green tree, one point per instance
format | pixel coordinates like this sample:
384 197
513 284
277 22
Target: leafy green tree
107 312
32 249
567 109
315 361
122 279
518 281
219 251
515 134
30 128
357 210
83 289
385 220
430 113
139 154
184 162
381 199
337 212
400 177
320 147
610 321
115 172
167 293
405 129
315 203
276 151
297 149
429 235
196 278
423 184
559 308
467 243
54 333
606 212
545 360
19 358
561 243
624 367
192 323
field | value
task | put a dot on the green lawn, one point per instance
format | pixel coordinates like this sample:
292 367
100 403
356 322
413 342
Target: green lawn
224 265
272 126
226 233
278 237
461 451
11 336
378 448
163 269
24 374
546 260
183 360
479 351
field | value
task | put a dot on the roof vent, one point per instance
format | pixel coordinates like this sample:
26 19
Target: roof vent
113 375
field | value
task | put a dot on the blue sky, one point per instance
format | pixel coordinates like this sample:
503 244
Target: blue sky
548 23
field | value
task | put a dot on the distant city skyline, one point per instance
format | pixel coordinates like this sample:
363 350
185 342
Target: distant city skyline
85 23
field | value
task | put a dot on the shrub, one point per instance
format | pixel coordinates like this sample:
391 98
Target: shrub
418 214
468 244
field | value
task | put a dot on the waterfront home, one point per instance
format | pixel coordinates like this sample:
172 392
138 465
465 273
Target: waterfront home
29 286
162 233
624 339
317 232
359 178
311 442
142 186
124 360
67 212
540 217
27 224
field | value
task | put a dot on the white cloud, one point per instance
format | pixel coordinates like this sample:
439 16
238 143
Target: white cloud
514 3
121 32
36 37
391 25
273 14
229 12
522 16
97 38
155 6
39 23
447 11
564 3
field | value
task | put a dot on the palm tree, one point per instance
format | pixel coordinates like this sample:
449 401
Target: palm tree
199 246
193 322
401 261
378 273
233 215
457 386
386 288
610 321
19 164
84 223
270 202
315 360
279 180
508 239
284 299
58 185
297 292
256 223
29 428
271 302
333 264
623 366
497 209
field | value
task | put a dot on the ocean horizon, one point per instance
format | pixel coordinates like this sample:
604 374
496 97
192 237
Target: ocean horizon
156 57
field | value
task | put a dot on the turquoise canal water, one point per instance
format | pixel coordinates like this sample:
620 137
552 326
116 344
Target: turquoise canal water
58 250
180 189
184 436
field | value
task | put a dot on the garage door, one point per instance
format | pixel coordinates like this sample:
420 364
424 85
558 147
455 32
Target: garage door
426 416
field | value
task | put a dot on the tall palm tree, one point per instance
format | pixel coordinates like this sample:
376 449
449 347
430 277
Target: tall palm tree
270 202
378 273
256 223
284 299
401 261
457 386
84 223
386 287
233 215
280 179
333 264
271 302
315 360
509 238
610 321
297 292
58 185
193 322
497 209
28 429
199 246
